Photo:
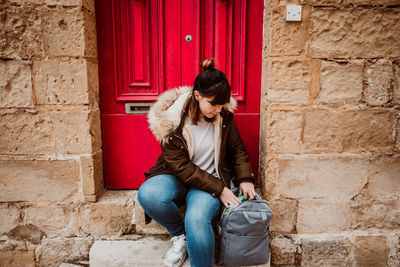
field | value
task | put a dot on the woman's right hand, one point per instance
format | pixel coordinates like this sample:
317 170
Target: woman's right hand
228 197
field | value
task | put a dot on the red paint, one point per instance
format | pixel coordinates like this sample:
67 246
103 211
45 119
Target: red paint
143 52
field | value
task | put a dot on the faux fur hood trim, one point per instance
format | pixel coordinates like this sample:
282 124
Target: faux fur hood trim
165 115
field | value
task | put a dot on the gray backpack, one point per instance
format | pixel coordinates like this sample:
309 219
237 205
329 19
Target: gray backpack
242 234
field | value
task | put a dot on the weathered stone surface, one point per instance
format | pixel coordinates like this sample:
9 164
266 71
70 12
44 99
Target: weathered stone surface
377 80
321 177
28 232
26 132
92 173
341 82
93 81
10 216
62 25
287 38
290 82
39 180
396 83
341 130
285 129
17 258
397 145
325 251
110 216
52 252
285 215
20 32
394 250
15 85
55 221
95 129
284 251
371 251
322 216
354 33
384 176
90 36
372 2
89 4
141 226
61 82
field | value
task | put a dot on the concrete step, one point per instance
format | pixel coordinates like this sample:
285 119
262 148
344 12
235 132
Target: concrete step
123 253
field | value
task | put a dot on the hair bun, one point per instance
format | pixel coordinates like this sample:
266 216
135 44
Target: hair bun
207 64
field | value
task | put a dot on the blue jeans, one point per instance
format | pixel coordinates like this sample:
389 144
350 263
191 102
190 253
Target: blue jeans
160 198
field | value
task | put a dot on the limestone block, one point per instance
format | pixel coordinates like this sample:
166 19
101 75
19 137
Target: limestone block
111 215
396 83
93 82
341 82
285 129
72 131
52 252
63 32
322 2
55 221
398 133
40 180
372 2
378 78
10 216
20 32
284 251
90 36
17 258
325 251
285 215
384 176
88 4
92 173
341 130
394 250
371 251
141 226
308 178
287 38
15 85
61 82
322 216
290 81
354 33
95 129
27 232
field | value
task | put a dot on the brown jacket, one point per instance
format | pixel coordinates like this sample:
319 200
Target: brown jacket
166 119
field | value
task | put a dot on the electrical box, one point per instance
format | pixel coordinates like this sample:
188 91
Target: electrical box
293 13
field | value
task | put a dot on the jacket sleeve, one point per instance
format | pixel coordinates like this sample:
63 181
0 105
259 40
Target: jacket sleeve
186 171
240 159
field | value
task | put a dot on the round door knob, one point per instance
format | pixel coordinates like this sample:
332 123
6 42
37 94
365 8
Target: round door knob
188 38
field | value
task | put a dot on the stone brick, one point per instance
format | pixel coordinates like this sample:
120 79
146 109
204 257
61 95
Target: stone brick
371 251
354 33
55 221
15 85
62 25
341 82
384 176
90 36
17 258
72 131
287 38
95 129
88 4
309 178
111 215
394 250
61 82
27 232
52 252
396 83
39 180
285 215
322 216
284 251
141 226
285 129
93 83
92 173
377 80
26 132
325 251
20 32
290 82
342 130
10 216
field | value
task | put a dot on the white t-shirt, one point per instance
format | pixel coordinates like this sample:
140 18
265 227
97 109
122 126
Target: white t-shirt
203 135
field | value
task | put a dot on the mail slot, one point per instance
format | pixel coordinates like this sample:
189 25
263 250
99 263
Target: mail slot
137 108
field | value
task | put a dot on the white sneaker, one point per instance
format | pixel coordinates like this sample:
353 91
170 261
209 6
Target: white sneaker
176 255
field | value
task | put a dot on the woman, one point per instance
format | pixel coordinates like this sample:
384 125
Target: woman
201 153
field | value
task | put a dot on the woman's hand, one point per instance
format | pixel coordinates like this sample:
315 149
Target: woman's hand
247 189
227 197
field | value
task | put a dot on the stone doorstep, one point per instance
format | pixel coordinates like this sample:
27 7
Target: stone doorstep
121 253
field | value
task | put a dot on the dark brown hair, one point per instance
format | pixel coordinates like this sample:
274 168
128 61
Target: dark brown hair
210 82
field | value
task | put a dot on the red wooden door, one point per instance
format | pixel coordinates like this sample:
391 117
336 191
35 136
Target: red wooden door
148 46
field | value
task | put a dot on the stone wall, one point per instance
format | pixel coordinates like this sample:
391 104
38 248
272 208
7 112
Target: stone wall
330 152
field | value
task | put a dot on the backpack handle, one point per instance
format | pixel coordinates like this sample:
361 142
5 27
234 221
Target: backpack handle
254 219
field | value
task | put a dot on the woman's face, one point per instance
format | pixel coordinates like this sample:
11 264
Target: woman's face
207 109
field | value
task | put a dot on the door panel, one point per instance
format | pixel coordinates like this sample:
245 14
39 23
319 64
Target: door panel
143 52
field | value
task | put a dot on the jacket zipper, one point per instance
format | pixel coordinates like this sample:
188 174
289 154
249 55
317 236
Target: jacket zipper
183 141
